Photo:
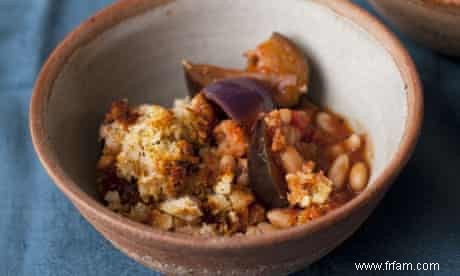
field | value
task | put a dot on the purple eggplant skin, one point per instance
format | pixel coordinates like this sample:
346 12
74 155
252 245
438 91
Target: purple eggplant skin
244 100
198 76
265 177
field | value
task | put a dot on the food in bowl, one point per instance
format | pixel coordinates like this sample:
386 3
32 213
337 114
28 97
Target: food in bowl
245 154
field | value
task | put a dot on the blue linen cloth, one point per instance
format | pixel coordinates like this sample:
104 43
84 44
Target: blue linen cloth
41 233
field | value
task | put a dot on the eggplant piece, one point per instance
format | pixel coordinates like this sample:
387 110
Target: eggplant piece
198 76
242 99
280 56
265 176
246 100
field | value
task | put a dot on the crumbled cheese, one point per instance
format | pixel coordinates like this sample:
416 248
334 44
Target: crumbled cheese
113 135
150 151
224 186
305 202
308 187
184 208
321 189
181 107
218 203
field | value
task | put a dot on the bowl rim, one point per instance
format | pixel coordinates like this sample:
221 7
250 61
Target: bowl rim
451 8
124 9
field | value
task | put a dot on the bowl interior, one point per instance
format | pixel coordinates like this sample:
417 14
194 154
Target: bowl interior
139 59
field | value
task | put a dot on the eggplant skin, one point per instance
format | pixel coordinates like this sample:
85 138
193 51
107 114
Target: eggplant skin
265 177
242 99
198 76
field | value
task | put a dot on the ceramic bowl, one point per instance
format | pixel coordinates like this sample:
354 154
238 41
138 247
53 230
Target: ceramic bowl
434 23
133 50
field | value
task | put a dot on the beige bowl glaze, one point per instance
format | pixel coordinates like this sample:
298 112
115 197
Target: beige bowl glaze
434 23
133 49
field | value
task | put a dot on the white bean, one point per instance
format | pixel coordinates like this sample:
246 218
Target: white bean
326 122
338 171
282 218
285 115
358 177
292 135
291 159
353 143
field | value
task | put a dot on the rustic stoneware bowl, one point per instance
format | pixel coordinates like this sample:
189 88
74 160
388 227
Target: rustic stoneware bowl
133 50
434 23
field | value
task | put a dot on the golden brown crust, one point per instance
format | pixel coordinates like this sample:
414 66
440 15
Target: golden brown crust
183 170
120 111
